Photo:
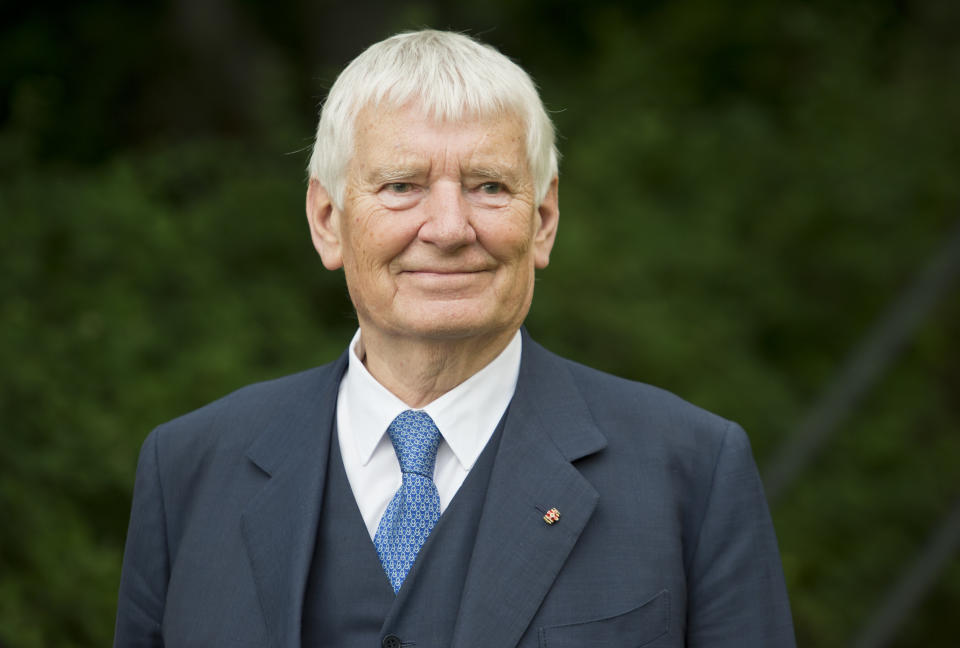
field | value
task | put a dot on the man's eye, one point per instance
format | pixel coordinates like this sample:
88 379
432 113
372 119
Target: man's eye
491 188
399 187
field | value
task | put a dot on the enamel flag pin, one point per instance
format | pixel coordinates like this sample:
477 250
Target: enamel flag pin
551 516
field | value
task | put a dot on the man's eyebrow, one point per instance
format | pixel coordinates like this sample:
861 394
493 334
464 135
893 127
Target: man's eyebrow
491 173
382 175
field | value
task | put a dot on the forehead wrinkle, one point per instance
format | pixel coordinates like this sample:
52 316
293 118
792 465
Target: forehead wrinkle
494 164
488 156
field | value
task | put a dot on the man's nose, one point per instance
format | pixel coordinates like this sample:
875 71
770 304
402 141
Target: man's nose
447 217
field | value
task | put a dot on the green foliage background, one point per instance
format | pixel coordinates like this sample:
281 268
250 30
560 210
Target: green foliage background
745 188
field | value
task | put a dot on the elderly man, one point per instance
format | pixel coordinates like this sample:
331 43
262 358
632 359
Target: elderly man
447 481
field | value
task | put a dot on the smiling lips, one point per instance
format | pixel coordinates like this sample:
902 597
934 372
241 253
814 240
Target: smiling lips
443 275
443 272
463 267
444 279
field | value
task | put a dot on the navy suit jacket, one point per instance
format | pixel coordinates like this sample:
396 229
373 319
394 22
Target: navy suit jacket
664 538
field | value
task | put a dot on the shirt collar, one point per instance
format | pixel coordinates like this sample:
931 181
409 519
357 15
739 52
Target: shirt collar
466 415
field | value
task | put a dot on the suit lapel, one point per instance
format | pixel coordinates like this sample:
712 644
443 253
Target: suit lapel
279 525
517 555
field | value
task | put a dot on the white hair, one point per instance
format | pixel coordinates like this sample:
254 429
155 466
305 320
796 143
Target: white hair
452 77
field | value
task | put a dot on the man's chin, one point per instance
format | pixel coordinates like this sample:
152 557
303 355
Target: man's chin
452 326
452 329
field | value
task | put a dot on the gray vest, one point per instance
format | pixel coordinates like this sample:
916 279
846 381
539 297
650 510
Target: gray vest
349 602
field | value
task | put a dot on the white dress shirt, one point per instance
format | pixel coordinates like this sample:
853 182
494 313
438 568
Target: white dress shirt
466 416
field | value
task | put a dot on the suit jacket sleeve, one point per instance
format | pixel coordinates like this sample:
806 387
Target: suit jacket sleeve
737 592
143 585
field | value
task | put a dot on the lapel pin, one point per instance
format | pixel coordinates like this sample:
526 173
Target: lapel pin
551 516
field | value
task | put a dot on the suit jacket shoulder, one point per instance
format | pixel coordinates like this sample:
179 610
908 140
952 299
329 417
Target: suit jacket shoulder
242 415
650 421
681 529
203 503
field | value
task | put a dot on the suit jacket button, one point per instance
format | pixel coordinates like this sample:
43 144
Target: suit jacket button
390 641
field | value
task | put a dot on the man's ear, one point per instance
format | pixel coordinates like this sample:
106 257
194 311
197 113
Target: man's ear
546 234
324 220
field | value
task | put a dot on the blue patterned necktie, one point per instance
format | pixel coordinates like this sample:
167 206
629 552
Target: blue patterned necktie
415 509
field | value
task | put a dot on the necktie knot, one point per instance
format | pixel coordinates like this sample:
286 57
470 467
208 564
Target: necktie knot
415 439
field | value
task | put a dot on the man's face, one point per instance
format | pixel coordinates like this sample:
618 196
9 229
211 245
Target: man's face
439 235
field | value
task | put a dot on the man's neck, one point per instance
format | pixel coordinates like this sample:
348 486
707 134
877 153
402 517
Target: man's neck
420 371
